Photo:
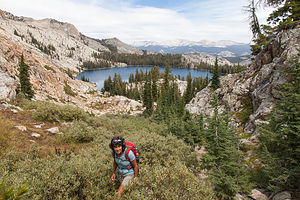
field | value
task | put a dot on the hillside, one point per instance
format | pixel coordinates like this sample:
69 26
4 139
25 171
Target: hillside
59 41
55 146
256 85
54 51
65 155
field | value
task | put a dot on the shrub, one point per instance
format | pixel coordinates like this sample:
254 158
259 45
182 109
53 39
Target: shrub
173 181
68 90
7 193
247 110
50 68
49 112
79 132
166 166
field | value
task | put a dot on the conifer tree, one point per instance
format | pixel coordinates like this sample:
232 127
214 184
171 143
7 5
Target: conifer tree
108 84
188 95
147 97
166 78
280 139
154 89
223 159
137 76
24 77
206 79
215 82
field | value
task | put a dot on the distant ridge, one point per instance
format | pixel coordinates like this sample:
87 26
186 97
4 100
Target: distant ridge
224 48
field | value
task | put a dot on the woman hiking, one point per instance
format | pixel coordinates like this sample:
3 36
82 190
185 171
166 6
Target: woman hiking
124 162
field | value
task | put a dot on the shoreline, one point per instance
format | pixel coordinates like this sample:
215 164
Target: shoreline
141 66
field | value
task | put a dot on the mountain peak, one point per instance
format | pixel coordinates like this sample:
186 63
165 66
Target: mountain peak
185 42
225 48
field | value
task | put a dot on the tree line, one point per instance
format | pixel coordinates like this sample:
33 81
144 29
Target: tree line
109 59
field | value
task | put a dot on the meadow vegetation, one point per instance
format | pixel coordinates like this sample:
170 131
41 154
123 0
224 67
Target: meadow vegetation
168 167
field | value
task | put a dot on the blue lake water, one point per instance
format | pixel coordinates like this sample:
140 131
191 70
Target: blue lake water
98 76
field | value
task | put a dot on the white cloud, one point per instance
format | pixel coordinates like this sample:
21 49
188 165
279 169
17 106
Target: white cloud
213 20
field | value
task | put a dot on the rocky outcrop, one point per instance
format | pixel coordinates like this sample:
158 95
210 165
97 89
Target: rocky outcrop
196 58
8 86
116 105
258 83
49 75
122 47
57 41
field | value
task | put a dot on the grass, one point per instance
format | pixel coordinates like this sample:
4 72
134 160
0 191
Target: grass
7 132
79 165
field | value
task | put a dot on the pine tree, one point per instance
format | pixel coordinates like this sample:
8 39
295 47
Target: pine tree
215 82
166 78
108 85
286 15
280 139
137 76
24 77
188 95
223 159
154 90
147 97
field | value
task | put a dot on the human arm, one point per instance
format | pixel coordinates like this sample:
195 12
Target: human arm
113 177
135 168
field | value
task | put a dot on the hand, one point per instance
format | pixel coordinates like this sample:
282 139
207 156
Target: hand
113 177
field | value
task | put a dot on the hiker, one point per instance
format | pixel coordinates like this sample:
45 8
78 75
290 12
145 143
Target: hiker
126 162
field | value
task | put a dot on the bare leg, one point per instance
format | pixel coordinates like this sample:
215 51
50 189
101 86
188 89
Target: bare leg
120 191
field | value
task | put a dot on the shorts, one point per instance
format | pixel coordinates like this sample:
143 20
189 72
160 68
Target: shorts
125 179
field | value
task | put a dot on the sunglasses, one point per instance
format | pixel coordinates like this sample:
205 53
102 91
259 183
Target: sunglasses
115 142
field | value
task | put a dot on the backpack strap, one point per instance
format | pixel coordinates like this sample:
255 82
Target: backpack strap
126 155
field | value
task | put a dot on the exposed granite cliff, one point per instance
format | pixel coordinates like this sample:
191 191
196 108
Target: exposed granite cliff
51 48
196 58
257 83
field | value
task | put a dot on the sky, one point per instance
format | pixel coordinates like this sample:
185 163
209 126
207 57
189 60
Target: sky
145 20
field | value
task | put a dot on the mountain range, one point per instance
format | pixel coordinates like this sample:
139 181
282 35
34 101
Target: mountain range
223 48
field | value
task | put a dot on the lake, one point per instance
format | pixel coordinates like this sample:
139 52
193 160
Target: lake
98 76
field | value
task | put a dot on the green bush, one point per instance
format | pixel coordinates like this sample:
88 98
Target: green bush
167 165
68 90
50 68
79 132
49 112
7 193
247 110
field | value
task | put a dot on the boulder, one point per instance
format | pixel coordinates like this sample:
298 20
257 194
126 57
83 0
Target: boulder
282 196
14 111
8 86
239 197
21 128
53 130
257 195
35 135
39 125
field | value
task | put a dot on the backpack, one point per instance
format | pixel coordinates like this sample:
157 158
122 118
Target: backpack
134 149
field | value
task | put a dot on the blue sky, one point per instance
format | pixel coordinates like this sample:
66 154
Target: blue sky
145 20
